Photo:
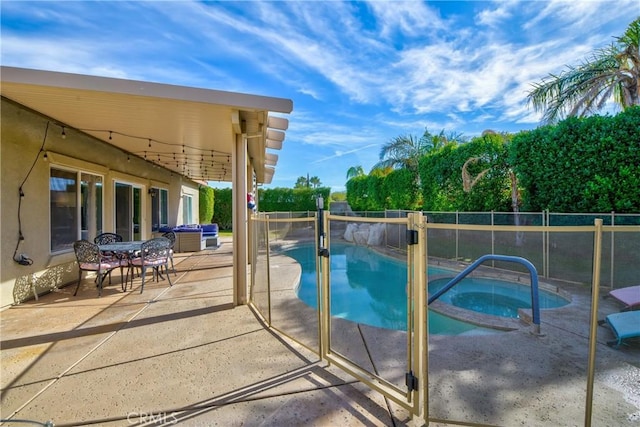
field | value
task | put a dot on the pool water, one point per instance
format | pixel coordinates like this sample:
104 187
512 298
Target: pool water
370 288
492 296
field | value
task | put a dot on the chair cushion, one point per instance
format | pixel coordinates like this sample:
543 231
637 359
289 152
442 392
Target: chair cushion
149 262
105 265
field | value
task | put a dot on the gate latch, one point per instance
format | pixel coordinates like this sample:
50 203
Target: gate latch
412 237
411 381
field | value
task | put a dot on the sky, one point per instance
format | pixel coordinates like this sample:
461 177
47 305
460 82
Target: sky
359 73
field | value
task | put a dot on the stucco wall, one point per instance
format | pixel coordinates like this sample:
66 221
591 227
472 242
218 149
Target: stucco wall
21 138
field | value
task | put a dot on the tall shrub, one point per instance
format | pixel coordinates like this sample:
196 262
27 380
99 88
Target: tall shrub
222 214
400 191
206 204
581 165
291 199
442 183
357 193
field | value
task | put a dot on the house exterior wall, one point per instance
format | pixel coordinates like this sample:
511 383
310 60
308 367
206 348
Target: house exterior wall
22 134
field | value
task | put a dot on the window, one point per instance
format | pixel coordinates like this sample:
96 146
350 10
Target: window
75 207
159 208
187 210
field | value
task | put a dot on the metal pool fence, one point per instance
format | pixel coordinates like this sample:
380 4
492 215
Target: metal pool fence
555 253
501 379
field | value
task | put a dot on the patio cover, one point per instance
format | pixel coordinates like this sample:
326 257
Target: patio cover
188 130
204 134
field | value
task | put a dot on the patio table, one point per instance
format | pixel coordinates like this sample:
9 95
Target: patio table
123 250
122 247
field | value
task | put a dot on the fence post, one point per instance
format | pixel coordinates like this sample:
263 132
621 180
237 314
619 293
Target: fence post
268 269
417 280
457 235
593 330
613 248
545 248
493 239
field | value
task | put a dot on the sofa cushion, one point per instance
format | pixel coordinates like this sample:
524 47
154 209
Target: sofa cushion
209 229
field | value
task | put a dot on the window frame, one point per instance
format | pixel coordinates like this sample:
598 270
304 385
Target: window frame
187 209
79 174
159 196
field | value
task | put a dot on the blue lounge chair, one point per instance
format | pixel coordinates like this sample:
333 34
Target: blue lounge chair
625 325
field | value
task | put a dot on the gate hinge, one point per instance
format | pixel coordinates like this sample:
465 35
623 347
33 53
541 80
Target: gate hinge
411 381
412 237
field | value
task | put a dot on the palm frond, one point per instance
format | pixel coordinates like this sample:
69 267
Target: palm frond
611 73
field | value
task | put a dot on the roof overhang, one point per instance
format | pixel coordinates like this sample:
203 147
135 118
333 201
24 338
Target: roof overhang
190 131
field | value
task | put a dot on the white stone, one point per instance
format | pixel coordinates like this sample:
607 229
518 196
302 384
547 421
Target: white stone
376 235
348 233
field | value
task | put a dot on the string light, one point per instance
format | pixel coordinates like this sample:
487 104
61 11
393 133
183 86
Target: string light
189 154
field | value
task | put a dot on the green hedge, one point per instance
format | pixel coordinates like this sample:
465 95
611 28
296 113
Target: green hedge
377 191
206 204
581 164
442 183
291 199
222 214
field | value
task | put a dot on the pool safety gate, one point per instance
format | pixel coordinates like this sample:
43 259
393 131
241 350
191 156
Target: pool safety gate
533 274
347 345
319 336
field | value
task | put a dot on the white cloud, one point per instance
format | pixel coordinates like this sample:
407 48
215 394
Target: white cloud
498 16
359 73
409 18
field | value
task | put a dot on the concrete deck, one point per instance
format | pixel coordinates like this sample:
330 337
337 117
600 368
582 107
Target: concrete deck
184 355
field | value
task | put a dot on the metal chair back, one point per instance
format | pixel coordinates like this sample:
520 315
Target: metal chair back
90 258
106 238
154 253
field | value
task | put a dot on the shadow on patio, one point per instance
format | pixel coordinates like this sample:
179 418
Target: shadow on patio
180 354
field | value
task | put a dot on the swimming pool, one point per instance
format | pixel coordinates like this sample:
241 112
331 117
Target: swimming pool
369 288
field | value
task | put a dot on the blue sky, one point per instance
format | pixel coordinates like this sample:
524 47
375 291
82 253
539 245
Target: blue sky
359 73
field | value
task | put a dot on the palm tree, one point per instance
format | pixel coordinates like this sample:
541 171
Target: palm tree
315 181
354 171
401 152
405 151
302 182
612 72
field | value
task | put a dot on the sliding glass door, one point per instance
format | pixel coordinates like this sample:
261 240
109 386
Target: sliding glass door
128 211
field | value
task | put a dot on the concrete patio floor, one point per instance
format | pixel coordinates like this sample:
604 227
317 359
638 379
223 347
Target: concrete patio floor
180 354
184 355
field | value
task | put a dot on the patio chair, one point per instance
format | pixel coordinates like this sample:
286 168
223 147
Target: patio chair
625 325
154 254
90 258
171 235
629 296
105 239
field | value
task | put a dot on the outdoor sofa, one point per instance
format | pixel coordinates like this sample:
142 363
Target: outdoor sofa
194 237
